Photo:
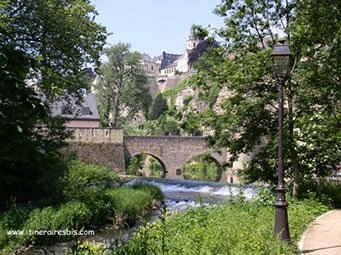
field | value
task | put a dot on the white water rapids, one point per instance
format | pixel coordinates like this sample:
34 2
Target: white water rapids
179 194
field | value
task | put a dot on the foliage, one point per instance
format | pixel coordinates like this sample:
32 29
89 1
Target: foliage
241 227
92 248
121 88
70 216
90 197
145 165
127 204
82 179
155 168
87 184
165 125
247 118
172 92
202 167
326 192
158 108
29 138
13 219
154 191
135 164
62 34
35 61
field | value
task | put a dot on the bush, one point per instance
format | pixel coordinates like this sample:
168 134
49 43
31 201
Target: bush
128 203
13 219
70 216
87 184
328 193
154 191
82 180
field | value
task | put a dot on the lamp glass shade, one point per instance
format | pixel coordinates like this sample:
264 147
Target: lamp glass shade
281 64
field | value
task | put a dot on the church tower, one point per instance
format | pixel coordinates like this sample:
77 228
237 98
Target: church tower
192 41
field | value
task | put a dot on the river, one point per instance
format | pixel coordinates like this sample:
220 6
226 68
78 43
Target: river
178 195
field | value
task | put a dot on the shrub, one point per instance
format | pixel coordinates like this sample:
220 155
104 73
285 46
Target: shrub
13 219
70 216
128 203
328 193
83 179
154 191
87 184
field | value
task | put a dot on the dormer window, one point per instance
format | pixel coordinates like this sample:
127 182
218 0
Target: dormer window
66 109
86 110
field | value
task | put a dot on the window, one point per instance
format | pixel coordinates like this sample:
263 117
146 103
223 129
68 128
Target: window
66 109
86 110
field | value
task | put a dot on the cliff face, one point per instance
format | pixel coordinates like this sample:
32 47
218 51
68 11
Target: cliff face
162 83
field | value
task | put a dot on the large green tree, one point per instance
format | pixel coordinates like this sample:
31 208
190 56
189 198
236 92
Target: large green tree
247 117
61 33
44 45
122 86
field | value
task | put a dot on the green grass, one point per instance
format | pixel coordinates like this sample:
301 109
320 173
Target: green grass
154 191
237 228
128 204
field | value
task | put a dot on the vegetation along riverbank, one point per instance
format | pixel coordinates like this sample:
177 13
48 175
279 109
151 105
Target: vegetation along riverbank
86 198
237 227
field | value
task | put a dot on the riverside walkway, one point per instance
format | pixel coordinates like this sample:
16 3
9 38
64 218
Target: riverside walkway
323 236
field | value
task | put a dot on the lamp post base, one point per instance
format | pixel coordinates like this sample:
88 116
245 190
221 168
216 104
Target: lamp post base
281 216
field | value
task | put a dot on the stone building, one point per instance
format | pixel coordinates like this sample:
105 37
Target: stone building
168 64
78 116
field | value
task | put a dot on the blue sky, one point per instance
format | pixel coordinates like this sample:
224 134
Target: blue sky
153 26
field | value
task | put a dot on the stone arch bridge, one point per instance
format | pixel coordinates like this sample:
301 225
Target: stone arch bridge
110 148
172 151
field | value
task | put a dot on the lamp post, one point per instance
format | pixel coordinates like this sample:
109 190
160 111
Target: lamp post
281 57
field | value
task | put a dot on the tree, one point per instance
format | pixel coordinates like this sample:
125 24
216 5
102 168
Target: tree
62 34
122 85
247 118
48 42
158 108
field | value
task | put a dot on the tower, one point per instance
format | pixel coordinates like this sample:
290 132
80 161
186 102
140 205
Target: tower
192 41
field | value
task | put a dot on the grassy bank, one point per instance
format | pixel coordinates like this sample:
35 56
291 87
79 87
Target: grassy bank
238 228
87 198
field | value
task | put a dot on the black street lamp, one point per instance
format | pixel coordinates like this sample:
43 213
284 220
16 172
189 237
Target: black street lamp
281 57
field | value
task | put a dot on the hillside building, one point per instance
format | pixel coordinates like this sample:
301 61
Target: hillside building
169 64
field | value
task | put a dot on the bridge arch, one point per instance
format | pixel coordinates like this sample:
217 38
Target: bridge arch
210 156
128 158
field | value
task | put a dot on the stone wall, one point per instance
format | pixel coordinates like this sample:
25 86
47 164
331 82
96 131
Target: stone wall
103 147
97 135
106 154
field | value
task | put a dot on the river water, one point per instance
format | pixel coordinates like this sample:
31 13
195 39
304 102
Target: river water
181 194
178 195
